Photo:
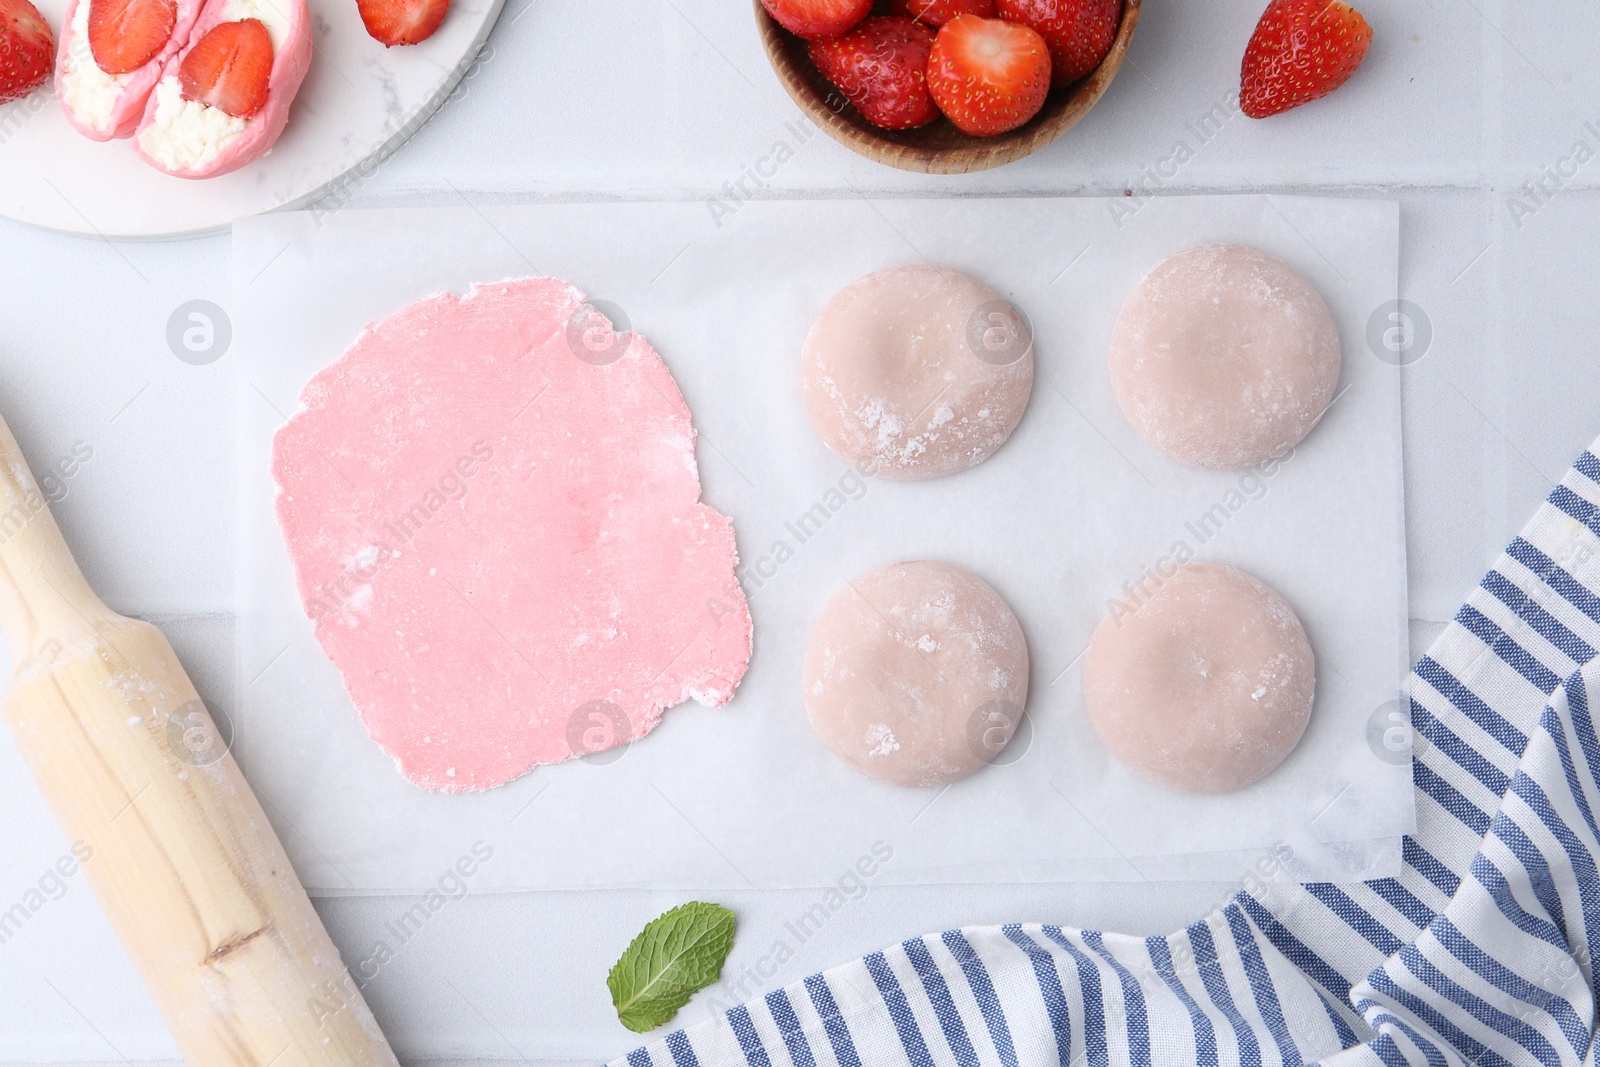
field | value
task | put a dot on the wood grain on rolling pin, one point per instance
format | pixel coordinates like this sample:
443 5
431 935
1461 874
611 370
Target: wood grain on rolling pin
185 863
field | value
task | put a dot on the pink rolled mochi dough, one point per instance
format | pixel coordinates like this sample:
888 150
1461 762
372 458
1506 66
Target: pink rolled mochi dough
916 372
1204 685
916 674
493 510
1224 357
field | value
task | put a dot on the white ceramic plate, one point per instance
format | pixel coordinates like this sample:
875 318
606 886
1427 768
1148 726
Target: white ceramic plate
359 101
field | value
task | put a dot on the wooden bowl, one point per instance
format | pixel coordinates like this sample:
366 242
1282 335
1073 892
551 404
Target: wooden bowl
937 148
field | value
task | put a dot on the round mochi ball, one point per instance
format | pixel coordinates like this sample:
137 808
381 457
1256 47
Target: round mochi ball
916 674
1205 684
1224 356
917 372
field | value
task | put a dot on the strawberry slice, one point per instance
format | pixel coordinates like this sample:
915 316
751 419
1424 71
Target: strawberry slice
936 13
402 21
988 75
818 20
1302 50
124 35
1079 32
26 49
881 67
229 68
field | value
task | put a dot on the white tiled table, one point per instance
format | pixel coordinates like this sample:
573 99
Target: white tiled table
1459 105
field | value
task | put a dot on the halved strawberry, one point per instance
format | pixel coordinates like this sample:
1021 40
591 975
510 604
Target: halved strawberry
1302 50
402 21
124 35
881 67
936 13
817 20
1079 32
26 49
987 75
229 68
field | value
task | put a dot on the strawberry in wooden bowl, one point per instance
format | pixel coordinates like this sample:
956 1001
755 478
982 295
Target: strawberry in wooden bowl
990 73
936 13
881 67
989 76
1078 33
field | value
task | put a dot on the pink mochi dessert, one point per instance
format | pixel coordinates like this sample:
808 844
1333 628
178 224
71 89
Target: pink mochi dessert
104 106
191 139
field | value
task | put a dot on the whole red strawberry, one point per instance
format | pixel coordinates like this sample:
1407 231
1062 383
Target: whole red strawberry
988 76
817 20
881 67
1302 50
936 13
1079 32
27 49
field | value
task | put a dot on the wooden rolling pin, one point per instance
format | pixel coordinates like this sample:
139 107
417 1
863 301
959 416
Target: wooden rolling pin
183 860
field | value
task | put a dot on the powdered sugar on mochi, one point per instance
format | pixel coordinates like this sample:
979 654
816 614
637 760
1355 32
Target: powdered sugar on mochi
501 545
916 372
1224 356
916 673
1204 685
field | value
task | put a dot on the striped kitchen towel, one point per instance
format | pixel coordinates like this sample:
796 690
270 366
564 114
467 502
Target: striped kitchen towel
1478 953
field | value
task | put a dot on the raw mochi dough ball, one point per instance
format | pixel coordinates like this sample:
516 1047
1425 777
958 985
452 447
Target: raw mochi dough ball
1206 685
916 372
1224 356
916 674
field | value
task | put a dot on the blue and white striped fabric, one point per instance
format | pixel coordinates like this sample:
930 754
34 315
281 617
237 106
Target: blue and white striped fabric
1477 954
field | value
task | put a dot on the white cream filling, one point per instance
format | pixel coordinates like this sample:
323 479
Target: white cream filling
89 92
186 134
189 135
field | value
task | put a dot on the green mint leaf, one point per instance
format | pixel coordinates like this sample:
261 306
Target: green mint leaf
672 959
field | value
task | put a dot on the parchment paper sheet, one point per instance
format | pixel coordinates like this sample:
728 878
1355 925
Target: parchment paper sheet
1072 508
